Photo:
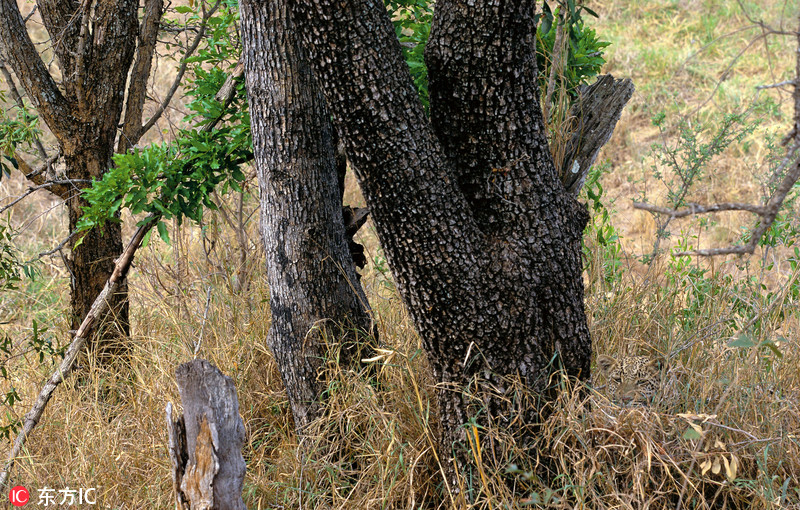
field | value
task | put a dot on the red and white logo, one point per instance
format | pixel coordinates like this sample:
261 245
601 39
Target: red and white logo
19 496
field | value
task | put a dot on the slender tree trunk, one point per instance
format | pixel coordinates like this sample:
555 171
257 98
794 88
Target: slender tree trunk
314 293
482 237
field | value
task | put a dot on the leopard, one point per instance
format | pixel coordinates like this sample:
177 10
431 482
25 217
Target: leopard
631 380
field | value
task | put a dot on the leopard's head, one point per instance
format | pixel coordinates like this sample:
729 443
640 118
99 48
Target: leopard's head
630 379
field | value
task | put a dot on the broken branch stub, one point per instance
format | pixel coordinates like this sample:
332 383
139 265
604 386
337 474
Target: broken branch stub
205 443
598 110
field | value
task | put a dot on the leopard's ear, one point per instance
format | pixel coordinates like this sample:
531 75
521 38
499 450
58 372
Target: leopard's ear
605 363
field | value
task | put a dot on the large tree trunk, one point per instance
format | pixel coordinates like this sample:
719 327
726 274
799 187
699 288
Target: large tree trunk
314 293
482 237
94 45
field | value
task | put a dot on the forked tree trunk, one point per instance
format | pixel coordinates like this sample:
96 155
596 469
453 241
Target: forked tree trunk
94 45
314 293
482 237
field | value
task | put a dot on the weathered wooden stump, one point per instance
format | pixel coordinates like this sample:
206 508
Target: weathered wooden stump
205 443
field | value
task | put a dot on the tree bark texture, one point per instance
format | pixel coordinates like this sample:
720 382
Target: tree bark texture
205 442
94 44
314 292
483 239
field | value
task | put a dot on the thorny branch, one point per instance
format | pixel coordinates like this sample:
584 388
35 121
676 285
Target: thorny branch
767 211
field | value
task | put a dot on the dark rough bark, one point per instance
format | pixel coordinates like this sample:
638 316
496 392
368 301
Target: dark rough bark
314 292
205 442
94 45
482 237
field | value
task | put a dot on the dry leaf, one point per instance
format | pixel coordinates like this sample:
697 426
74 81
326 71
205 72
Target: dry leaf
715 466
734 465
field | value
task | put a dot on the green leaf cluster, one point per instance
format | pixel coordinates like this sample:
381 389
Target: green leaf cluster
412 24
21 128
584 57
176 179
10 266
173 180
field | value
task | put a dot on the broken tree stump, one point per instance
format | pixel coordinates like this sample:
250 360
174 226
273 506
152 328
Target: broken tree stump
598 110
205 443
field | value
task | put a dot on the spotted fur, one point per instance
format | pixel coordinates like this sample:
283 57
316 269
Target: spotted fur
630 379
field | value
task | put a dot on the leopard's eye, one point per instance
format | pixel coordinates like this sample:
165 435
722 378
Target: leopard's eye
617 380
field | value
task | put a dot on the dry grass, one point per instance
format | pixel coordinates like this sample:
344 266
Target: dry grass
105 429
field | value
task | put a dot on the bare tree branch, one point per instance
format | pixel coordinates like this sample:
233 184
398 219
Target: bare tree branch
45 185
776 85
58 248
140 74
700 209
182 69
39 175
21 54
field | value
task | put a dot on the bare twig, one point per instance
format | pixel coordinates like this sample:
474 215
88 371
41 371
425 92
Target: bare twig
59 247
700 209
30 14
203 325
67 364
44 185
776 85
